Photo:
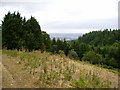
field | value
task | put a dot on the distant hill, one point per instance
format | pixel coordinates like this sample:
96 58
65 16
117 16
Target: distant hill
67 36
106 37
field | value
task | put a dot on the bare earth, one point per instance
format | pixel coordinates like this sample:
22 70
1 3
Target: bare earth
13 75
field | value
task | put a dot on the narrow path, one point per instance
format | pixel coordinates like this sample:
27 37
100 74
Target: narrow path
7 79
0 74
13 74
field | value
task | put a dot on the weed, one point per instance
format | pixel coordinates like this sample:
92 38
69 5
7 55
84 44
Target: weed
55 68
81 83
12 53
68 77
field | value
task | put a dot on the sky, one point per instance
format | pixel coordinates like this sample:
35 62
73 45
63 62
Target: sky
66 16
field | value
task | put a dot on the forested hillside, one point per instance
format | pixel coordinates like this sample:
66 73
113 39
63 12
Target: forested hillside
101 38
97 47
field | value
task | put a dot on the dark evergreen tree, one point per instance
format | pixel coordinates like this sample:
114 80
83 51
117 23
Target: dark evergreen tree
12 30
19 33
47 41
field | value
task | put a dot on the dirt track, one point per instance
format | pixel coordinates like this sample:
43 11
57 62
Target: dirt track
13 75
8 80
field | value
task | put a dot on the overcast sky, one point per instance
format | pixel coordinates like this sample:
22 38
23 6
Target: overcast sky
66 16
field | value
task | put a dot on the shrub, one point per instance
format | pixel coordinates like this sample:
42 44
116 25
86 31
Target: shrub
61 52
93 57
113 62
81 83
73 54
68 77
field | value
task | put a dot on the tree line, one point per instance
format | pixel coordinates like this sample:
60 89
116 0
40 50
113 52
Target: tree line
20 33
97 47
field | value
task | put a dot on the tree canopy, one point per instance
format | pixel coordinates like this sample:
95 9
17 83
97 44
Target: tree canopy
19 33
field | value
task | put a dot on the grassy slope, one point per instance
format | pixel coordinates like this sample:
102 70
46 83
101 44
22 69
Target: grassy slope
0 38
61 72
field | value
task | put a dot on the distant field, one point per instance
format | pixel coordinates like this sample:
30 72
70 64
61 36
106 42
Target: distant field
43 70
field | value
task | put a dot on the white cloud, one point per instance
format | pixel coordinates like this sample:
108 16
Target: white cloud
48 12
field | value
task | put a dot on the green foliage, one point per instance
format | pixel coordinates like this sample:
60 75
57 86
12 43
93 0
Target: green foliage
105 43
61 52
68 77
92 82
106 66
11 53
92 57
12 30
60 45
73 54
105 37
19 33
81 83
32 34
47 41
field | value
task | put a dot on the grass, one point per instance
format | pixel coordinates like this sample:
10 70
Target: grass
55 71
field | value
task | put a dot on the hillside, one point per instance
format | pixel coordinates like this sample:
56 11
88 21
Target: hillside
99 44
44 70
25 66
97 47
101 38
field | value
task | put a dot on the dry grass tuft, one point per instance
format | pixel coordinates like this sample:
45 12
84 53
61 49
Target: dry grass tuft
55 71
